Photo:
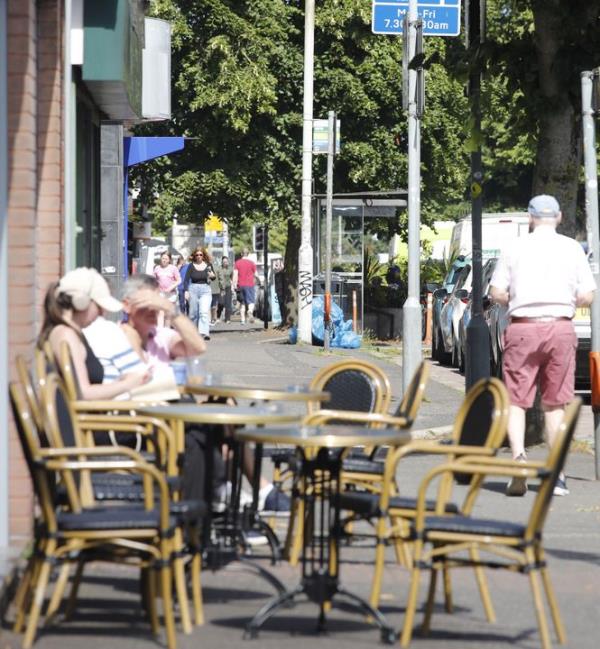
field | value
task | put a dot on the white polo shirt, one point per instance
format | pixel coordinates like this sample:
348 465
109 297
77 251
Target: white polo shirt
543 272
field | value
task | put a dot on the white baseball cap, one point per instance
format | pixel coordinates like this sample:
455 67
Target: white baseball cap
83 283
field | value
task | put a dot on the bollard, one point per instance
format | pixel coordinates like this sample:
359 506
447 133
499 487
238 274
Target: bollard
428 318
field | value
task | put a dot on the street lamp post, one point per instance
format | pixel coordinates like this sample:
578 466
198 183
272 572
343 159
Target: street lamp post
305 255
411 310
477 364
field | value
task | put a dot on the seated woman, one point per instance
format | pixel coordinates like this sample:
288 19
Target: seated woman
72 304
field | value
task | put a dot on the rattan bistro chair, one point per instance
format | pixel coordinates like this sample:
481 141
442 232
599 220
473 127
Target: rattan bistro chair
352 384
440 541
144 534
482 420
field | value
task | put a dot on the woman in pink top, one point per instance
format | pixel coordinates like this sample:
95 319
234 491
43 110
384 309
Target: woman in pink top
169 279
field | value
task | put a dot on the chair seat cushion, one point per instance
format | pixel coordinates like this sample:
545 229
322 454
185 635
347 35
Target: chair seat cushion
367 504
123 486
469 525
188 511
363 465
110 518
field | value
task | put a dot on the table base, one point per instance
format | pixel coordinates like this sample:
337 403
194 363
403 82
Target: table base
320 589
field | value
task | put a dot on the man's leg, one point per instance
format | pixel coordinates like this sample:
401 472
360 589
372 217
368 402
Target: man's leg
251 312
553 417
242 312
516 430
516 437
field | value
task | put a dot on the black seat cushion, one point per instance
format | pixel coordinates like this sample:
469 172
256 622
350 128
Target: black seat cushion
363 465
367 504
110 518
188 511
468 525
124 486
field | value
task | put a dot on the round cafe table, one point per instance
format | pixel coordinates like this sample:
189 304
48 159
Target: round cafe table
295 393
292 394
321 451
180 414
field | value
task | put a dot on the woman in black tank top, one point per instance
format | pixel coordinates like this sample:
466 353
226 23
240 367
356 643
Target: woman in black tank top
70 305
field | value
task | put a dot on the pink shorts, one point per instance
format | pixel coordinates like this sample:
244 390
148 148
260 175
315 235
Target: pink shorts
544 352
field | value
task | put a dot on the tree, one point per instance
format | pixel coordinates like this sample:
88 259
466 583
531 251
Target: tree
237 69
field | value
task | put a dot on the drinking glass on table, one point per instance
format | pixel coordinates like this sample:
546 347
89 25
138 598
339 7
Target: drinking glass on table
196 369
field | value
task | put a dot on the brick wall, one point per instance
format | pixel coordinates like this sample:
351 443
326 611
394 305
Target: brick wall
34 197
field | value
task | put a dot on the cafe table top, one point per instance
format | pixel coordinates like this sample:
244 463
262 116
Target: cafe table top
221 414
335 436
293 393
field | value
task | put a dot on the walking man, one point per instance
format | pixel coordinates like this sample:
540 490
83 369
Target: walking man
543 278
225 275
244 272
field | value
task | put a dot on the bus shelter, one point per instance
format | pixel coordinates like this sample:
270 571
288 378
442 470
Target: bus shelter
349 214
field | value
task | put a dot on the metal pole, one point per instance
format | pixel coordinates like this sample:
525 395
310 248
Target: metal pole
266 291
411 311
593 227
477 363
331 131
305 256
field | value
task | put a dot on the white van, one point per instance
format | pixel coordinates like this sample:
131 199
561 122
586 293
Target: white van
497 230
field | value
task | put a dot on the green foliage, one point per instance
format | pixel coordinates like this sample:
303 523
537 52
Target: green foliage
237 71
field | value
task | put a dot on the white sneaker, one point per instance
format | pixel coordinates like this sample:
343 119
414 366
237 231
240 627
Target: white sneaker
254 538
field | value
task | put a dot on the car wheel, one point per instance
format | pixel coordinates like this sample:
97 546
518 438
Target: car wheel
443 357
434 348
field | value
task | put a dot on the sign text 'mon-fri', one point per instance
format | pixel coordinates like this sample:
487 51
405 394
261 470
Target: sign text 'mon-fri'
440 17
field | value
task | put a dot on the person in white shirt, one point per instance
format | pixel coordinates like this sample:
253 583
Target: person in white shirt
542 279
112 348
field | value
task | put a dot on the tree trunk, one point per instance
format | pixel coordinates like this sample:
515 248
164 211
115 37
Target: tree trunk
290 305
559 141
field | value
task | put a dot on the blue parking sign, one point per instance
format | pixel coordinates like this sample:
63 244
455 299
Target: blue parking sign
440 17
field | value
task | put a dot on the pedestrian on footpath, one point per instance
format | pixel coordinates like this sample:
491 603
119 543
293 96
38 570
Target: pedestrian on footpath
197 289
215 287
543 278
225 276
167 275
244 273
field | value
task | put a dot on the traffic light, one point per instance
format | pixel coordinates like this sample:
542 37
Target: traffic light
259 238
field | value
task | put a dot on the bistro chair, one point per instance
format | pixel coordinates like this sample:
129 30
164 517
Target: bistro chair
479 429
440 541
144 534
352 384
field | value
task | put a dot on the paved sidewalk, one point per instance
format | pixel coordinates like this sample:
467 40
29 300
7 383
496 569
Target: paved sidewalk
109 615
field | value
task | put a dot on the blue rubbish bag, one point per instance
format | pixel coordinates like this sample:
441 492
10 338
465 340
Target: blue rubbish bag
341 334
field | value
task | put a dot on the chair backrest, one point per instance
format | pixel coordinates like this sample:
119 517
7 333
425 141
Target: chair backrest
30 390
481 421
413 395
44 483
555 463
67 372
354 385
62 430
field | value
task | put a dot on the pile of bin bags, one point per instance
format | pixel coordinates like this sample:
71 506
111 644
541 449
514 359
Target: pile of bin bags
341 333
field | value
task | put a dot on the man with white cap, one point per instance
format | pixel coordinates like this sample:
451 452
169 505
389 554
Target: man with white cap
542 279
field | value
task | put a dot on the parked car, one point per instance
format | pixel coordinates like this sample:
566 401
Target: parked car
452 310
439 296
487 272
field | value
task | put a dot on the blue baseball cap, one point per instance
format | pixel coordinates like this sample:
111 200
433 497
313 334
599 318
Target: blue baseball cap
543 207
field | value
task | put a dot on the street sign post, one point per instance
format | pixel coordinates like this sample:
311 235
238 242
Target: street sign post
321 136
440 17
